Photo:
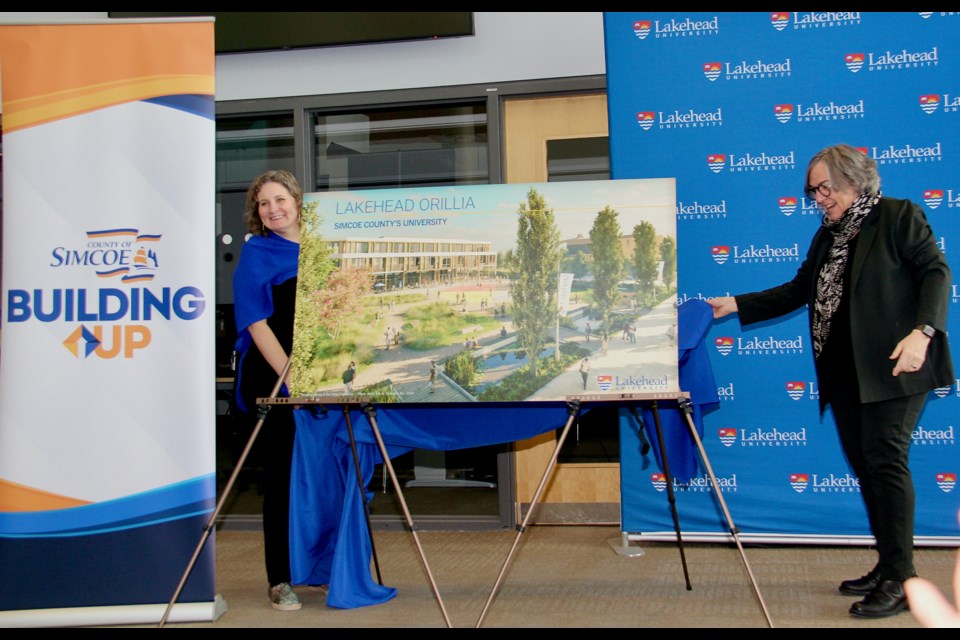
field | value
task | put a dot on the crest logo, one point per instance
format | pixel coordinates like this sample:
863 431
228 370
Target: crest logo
780 20
641 28
783 112
929 102
724 345
659 481
646 119
720 253
604 382
712 70
854 61
727 436
796 389
933 197
946 481
787 204
717 162
943 392
799 482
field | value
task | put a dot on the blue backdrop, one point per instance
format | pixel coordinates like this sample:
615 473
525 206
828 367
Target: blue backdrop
733 105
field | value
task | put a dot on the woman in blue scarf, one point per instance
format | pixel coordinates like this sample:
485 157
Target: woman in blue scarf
264 296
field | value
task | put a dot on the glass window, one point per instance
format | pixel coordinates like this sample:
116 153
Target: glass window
246 147
578 159
401 147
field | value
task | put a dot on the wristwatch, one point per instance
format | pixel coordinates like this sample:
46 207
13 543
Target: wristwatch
926 330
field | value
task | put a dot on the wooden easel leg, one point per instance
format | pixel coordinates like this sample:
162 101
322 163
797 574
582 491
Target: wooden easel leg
371 416
573 407
687 407
363 490
671 498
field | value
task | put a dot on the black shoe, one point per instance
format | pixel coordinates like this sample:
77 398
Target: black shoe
888 599
861 586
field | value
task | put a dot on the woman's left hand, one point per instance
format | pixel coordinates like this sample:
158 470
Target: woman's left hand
910 353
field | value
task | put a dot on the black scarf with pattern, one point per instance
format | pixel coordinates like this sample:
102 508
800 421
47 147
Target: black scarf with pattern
830 280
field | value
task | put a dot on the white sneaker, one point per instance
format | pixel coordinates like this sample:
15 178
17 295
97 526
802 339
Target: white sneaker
283 598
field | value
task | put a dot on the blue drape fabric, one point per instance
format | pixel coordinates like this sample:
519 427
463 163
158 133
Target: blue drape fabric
329 542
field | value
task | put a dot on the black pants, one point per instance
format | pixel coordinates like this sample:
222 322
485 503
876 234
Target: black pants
876 437
274 448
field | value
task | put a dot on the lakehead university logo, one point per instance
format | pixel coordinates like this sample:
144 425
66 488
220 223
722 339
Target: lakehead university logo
946 481
675 28
111 321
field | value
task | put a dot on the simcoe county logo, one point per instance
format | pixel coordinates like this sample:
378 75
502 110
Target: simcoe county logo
787 204
124 254
799 482
724 344
933 197
659 481
929 102
783 112
641 28
720 253
796 389
728 436
646 119
946 481
604 382
780 19
716 162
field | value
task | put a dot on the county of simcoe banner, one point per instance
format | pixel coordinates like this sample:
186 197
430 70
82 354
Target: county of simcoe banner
732 105
107 466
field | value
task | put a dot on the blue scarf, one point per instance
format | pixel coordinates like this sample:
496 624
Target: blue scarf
265 261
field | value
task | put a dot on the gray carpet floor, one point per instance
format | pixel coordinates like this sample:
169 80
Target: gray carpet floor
572 576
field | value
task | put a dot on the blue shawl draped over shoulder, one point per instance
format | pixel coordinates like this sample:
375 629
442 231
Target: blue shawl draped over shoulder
265 261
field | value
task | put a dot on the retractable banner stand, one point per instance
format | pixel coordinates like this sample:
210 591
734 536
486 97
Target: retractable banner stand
732 105
107 470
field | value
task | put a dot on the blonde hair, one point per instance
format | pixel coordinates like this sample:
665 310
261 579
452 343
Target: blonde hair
252 213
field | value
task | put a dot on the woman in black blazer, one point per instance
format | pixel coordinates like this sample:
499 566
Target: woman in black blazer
877 288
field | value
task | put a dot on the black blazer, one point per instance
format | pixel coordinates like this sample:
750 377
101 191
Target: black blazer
899 279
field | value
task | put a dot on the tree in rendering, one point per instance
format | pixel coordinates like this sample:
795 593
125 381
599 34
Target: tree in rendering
534 275
668 253
314 269
645 257
607 263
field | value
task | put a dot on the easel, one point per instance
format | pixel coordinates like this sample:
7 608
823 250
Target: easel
264 405
686 406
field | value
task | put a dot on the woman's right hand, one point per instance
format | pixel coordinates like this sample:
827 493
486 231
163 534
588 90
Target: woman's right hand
723 306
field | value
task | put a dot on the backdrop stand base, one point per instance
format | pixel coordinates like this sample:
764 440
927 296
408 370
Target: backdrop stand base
623 547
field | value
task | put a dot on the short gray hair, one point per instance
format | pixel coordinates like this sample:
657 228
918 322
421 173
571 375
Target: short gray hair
847 167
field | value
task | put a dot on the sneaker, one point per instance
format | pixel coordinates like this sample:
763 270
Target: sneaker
283 598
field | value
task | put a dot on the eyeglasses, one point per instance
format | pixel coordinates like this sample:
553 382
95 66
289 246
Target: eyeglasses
823 189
